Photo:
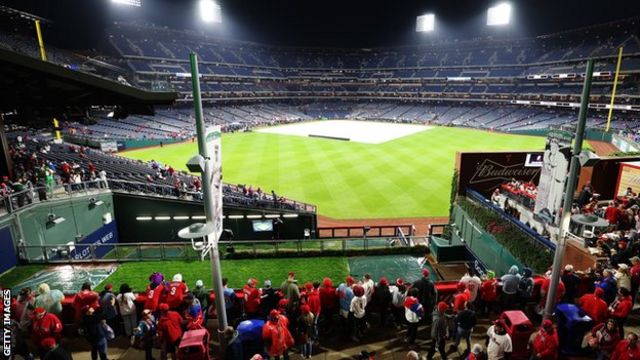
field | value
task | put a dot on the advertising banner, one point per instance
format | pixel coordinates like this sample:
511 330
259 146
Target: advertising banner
555 167
107 234
213 139
628 177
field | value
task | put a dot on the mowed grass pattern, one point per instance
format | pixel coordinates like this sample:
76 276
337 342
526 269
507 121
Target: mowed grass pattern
406 177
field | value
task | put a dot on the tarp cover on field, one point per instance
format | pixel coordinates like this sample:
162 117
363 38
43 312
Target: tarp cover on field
68 278
407 267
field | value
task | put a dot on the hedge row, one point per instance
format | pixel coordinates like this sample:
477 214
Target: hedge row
519 244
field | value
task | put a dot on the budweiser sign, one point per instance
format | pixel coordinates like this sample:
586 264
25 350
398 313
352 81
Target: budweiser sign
489 170
483 172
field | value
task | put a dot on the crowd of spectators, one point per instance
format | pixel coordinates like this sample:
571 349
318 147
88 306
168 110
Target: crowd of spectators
299 315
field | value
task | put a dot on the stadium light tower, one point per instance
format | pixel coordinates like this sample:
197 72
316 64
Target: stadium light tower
425 23
210 11
499 15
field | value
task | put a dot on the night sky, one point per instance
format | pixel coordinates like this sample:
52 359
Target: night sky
345 23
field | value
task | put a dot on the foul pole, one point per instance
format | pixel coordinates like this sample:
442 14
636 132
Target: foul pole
43 54
613 91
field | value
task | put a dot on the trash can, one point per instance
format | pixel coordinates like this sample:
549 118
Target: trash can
250 334
573 324
519 328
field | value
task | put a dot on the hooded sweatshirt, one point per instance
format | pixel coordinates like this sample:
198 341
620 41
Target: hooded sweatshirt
413 310
511 281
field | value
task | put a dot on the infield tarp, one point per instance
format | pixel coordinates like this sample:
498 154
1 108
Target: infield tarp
67 278
407 267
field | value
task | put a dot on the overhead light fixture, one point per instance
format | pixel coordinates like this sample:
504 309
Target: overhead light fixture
272 216
253 216
136 3
143 218
198 217
210 11
425 23
162 218
53 219
180 218
499 14
290 215
235 217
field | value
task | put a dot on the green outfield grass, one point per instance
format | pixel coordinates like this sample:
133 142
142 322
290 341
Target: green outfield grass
406 177
237 271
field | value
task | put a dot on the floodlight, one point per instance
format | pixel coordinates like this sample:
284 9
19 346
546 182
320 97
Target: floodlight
136 3
210 11
499 14
425 23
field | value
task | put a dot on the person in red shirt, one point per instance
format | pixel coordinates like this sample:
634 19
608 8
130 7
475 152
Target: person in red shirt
252 298
175 291
489 293
635 277
460 298
544 289
155 292
594 306
328 302
612 213
627 349
621 308
85 297
169 329
44 325
545 344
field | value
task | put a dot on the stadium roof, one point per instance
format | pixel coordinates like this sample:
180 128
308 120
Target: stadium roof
50 89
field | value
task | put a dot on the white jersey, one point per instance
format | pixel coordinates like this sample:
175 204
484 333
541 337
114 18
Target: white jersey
498 345
473 284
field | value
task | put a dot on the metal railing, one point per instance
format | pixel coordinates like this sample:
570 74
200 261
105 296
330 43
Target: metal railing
125 252
231 195
34 195
374 231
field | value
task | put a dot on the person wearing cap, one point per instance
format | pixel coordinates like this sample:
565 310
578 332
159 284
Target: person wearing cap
126 301
398 296
313 300
612 213
382 300
328 302
44 325
291 292
192 312
85 297
53 350
439 332
488 293
466 320
169 331
176 290
144 333
252 299
269 298
49 299
276 336
475 353
525 287
306 331
414 312
345 295
357 308
427 293
201 294
627 349
594 306
499 345
460 297
108 306
621 308
545 343
622 277
155 292
229 300
94 329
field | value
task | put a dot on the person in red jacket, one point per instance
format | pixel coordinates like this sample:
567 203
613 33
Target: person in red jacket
627 349
276 335
489 293
635 277
328 302
461 297
544 289
169 330
594 306
545 344
175 291
313 300
252 298
621 308
85 297
612 213
44 325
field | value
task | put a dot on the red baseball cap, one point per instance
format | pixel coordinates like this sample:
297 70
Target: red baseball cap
39 310
442 306
350 280
163 307
425 272
48 342
383 281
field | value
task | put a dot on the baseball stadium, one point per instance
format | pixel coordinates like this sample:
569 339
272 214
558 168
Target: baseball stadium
203 179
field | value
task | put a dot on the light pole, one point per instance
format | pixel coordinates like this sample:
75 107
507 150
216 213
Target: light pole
212 193
570 189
